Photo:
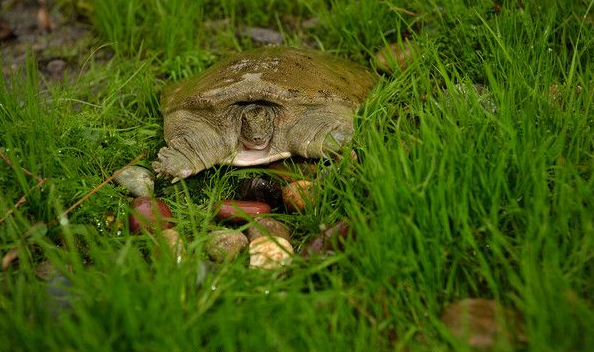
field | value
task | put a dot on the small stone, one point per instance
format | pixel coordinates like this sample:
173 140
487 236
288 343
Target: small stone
44 19
310 23
225 244
174 241
56 67
263 35
484 96
148 214
474 320
236 210
298 195
9 257
324 242
394 55
268 227
202 271
138 180
45 270
59 294
261 190
270 253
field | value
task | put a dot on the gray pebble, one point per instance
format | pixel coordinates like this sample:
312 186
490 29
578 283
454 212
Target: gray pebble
138 180
225 244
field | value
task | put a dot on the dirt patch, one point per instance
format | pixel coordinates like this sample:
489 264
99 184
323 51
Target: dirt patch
40 29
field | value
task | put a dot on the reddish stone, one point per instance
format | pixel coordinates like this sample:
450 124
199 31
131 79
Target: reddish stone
236 210
149 213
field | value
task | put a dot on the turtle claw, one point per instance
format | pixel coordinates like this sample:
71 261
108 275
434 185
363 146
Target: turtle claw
171 162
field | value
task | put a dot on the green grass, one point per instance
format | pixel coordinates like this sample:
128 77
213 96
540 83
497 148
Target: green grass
450 200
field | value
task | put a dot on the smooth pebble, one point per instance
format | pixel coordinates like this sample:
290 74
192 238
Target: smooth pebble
149 213
475 321
298 195
236 210
225 244
270 253
395 55
268 227
261 190
138 180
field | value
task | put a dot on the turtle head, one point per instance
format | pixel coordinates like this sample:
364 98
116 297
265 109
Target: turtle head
257 125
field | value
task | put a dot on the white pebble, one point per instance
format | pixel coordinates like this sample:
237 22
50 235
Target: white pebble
270 252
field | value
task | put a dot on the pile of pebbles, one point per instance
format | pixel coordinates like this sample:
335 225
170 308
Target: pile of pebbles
267 239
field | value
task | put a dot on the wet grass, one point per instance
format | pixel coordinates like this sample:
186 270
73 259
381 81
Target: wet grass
457 193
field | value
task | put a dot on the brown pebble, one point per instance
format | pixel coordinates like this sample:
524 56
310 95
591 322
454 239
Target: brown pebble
44 19
324 242
234 210
299 194
9 257
225 244
45 270
268 227
270 253
474 320
394 55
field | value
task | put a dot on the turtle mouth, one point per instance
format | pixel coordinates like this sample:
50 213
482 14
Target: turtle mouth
247 156
255 146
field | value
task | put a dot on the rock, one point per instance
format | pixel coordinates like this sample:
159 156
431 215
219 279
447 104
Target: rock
261 190
59 295
324 242
270 253
138 180
174 241
149 213
394 55
55 68
298 195
45 270
474 320
268 227
44 19
236 210
225 244
484 96
9 257
202 271
310 23
262 35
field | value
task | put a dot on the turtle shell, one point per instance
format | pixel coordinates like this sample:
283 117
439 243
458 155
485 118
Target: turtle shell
277 74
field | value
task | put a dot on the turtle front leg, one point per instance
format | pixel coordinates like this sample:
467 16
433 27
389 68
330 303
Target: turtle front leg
192 146
321 136
173 161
